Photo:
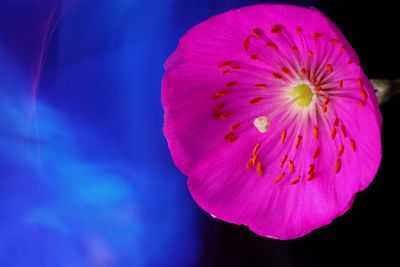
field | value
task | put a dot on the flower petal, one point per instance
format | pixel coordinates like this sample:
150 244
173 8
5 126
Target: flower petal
252 155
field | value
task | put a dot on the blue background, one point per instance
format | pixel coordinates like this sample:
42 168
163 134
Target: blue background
86 178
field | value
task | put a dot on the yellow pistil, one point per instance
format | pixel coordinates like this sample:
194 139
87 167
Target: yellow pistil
302 95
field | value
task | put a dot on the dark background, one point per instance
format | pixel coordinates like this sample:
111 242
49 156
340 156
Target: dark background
368 234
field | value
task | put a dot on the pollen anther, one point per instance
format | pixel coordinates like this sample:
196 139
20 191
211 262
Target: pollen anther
246 44
285 70
329 67
295 181
256 148
231 137
283 161
336 122
226 63
363 93
341 150
338 165
252 161
317 35
283 136
334 41
353 144
259 169
316 153
291 166
231 84
344 131
256 100
279 178
271 45
311 176
311 169
235 126
334 132
315 131
260 86
257 32
220 93
277 28
298 141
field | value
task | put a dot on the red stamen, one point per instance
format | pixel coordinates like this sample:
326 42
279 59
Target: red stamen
334 41
231 137
260 86
235 126
295 181
255 149
258 32
271 45
316 153
277 28
252 161
336 123
291 166
298 140
317 35
283 161
329 67
220 93
285 70
353 144
283 136
259 169
311 169
344 131
338 165
226 63
315 130
334 132
256 100
246 44
254 57
311 177
363 93
341 150
231 84
279 178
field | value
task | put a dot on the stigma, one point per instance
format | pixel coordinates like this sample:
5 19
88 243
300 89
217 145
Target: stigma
302 95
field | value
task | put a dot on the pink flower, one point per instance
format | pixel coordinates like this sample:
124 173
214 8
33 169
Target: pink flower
270 115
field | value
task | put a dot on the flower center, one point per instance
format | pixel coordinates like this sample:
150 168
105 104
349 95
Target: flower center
302 94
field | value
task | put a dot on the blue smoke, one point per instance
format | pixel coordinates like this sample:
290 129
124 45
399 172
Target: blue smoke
85 174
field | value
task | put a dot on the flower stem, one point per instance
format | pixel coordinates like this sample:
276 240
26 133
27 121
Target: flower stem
385 89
